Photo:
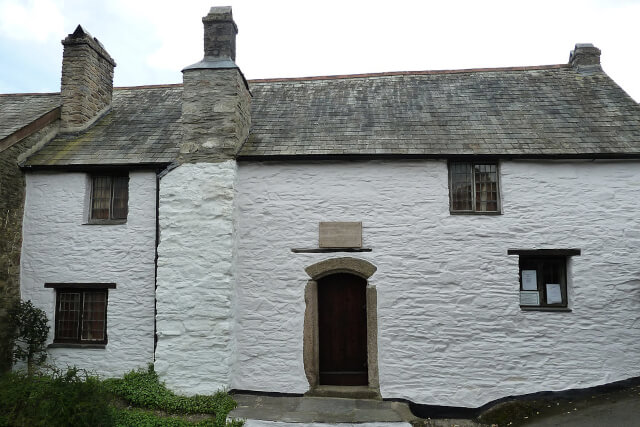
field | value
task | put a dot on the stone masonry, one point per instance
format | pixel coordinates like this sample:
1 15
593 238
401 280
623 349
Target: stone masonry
215 101
215 114
87 80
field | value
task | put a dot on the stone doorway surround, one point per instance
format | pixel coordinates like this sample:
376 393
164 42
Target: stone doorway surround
310 349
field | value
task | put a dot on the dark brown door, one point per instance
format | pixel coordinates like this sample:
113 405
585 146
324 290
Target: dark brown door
342 323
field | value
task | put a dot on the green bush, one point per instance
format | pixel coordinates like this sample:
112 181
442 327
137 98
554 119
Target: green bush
59 399
143 389
30 329
73 398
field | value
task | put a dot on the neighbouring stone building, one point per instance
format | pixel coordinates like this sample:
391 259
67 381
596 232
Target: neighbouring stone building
444 237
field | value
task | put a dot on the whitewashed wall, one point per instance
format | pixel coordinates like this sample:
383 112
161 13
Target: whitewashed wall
59 247
450 328
195 277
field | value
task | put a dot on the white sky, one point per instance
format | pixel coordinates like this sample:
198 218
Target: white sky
152 41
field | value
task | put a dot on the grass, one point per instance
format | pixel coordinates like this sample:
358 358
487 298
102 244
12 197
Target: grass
73 397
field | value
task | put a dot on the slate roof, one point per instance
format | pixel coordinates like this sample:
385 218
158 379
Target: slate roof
522 112
143 127
551 110
19 110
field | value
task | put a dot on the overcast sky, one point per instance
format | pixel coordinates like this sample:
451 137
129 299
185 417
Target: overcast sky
152 41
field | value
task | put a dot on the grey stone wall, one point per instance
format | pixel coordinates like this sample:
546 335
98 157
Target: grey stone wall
87 80
12 190
220 33
215 114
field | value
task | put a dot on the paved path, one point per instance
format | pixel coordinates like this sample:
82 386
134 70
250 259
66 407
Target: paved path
620 413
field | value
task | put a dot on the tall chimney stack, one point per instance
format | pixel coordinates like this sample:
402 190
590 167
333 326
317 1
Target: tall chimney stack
215 96
220 34
585 56
87 81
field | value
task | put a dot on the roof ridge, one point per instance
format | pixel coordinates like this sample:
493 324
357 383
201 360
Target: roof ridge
412 73
158 86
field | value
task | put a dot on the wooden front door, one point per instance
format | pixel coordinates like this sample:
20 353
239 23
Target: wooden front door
342 324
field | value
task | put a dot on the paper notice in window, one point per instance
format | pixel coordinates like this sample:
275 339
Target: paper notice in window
554 295
529 280
529 298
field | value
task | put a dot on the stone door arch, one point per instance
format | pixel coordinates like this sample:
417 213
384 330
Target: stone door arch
317 271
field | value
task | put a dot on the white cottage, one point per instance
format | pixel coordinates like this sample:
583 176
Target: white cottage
444 237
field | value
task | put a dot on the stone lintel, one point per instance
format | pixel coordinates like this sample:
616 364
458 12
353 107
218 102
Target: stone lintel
352 265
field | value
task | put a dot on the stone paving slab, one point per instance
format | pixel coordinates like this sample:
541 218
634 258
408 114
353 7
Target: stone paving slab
310 410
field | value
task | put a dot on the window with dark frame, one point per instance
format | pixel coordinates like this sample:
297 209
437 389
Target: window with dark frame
543 281
473 187
81 316
109 198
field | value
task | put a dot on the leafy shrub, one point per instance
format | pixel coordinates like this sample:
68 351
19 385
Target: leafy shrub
143 389
60 399
30 329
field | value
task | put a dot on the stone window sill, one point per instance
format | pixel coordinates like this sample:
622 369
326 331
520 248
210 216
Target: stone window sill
105 222
75 345
559 309
475 213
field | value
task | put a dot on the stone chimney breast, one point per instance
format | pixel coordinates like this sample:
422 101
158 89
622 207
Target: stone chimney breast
585 55
87 80
216 102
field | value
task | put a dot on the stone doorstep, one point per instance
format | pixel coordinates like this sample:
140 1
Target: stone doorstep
347 392
313 411
318 409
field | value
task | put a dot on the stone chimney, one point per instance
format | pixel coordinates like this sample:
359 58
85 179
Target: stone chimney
585 55
87 81
215 97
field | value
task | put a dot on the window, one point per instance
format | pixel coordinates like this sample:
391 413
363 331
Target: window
543 277
543 281
109 198
81 313
473 187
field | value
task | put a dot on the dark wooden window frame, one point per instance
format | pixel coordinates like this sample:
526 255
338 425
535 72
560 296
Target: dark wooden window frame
473 210
82 289
543 261
112 218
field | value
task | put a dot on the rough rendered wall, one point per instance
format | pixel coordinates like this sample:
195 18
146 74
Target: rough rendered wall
195 277
58 247
11 212
450 328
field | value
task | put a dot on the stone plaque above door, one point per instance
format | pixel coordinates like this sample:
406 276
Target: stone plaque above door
340 234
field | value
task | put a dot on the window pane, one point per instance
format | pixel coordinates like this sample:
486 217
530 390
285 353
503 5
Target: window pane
461 186
100 197
486 178
68 315
93 321
120 197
